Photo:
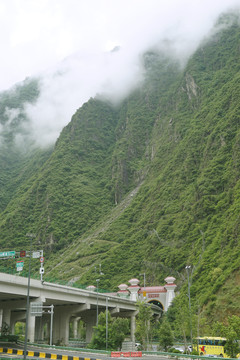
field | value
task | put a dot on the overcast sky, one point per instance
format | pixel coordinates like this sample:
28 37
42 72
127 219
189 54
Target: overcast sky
71 36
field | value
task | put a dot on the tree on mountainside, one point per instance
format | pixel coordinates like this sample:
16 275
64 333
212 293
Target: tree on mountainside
165 335
143 324
178 316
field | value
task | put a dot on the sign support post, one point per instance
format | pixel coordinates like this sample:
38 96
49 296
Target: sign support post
51 324
28 289
41 268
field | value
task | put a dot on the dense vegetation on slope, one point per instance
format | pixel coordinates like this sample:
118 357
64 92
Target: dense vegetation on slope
187 211
148 186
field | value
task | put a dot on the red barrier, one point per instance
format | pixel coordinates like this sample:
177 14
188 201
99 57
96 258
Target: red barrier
126 354
136 354
115 354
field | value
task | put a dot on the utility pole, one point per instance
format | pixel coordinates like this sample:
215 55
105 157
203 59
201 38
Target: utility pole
97 300
51 323
31 236
188 268
97 280
106 323
144 279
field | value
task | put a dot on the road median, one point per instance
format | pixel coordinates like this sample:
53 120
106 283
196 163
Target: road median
43 355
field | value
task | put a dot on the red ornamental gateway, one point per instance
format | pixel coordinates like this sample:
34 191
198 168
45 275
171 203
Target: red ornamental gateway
161 296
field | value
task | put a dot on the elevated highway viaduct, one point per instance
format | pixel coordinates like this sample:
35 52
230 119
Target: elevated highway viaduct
70 304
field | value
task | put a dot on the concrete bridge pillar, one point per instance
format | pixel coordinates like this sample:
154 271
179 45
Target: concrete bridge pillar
31 328
61 325
6 318
1 318
56 328
90 322
75 327
39 328
133 327
34 332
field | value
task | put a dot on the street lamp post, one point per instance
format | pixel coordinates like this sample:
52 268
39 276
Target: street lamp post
144 279
97 300
31 236
106 323
188 268
51 324
97 280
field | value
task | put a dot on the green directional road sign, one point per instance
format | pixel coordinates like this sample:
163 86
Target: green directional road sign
5 254
19 265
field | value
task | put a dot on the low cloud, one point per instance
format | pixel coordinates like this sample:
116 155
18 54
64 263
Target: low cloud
90 26
79 77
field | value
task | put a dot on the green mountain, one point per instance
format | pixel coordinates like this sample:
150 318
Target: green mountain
148 186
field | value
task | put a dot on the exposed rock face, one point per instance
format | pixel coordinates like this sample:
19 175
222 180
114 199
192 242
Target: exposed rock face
191 86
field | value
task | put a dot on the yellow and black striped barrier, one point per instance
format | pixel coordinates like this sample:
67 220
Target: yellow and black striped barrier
43 355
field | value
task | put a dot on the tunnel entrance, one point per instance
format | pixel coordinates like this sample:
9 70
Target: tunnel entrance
156 302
